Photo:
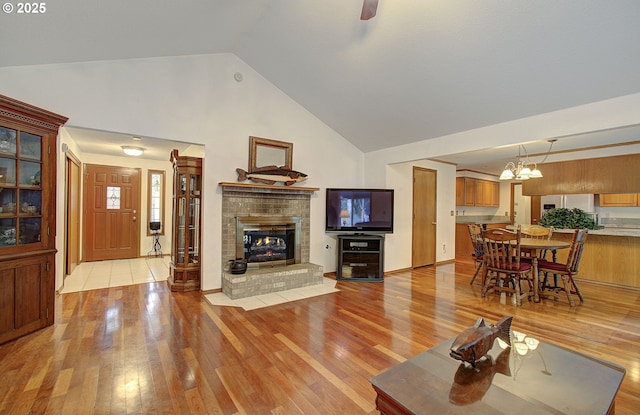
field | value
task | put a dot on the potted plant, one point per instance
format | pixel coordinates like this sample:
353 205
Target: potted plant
563 218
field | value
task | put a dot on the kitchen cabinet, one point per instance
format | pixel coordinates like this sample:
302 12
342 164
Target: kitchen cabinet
465 189
27 217
487 193
464 248
606 259
184 268
616 174
620 200
477 192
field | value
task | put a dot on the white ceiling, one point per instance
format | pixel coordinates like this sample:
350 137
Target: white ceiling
416 71
110 143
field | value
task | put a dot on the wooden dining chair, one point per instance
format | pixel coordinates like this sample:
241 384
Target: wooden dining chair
536 232
504 269
566 271
475 232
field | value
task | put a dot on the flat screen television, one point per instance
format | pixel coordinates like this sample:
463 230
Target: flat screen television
359 210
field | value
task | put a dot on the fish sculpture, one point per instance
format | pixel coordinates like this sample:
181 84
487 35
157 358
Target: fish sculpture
475 342
470 384
272 175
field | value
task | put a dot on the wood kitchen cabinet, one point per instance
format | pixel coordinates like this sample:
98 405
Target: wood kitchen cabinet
477 192
27 217
615 174
464 247
465 191
620 200
487 193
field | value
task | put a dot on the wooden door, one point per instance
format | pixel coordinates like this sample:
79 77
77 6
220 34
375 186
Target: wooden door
536 211
72 234
424 217
111 206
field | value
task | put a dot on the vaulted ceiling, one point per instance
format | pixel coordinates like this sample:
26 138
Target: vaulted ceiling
416 71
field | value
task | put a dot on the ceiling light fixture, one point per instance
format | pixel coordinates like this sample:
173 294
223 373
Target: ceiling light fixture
521 168
132 151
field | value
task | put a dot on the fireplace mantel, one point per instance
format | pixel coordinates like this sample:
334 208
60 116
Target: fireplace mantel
265 188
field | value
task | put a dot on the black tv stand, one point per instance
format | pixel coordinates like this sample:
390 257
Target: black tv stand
360 258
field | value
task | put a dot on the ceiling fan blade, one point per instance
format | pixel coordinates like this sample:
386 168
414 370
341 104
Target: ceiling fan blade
369 8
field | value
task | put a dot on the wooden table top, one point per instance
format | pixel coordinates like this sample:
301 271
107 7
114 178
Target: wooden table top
533 243
532 377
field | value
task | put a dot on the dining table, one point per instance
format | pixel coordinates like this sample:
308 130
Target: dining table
537 245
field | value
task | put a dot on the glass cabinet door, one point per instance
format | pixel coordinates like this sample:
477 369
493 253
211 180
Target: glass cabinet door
194 230
20 187
181 221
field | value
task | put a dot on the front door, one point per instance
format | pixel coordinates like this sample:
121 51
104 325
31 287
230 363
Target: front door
424 217
111 206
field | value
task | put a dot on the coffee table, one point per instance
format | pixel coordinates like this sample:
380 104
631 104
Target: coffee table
532 377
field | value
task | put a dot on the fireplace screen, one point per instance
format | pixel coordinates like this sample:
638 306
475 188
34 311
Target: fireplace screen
268 241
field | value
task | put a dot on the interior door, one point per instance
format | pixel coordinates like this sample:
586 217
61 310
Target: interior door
111 206
73 213
424 217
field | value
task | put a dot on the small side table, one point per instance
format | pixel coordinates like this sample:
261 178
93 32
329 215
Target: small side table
157 248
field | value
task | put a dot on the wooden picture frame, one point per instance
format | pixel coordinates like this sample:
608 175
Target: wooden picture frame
265 152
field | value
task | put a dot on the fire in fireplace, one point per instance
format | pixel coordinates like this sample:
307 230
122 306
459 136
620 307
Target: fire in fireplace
268 240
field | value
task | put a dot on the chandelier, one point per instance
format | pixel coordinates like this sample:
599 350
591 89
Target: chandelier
523 168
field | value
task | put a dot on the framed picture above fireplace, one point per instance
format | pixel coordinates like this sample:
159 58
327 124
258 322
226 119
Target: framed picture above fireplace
265 152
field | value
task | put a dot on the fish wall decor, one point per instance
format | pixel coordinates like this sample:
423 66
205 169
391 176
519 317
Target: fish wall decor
475 342
272 175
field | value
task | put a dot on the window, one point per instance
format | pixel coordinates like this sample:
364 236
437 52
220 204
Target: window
155 202
113 197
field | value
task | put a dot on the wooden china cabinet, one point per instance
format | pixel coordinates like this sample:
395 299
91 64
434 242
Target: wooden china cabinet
27 217
185 245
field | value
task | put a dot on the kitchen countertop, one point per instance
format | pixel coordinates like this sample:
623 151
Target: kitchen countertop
481 220
606 231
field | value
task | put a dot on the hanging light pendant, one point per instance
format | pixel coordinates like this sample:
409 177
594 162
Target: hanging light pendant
507 173
520 170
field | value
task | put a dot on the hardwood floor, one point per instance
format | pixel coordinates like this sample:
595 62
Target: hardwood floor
143 350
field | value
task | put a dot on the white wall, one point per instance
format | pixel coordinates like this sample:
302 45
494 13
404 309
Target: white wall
196 99
399 176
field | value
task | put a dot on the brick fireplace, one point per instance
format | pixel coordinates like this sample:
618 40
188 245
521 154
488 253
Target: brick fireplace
254 216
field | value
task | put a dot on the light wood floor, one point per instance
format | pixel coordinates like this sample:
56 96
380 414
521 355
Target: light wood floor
142 350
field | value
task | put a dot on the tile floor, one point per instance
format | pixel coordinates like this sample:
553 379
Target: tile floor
105 274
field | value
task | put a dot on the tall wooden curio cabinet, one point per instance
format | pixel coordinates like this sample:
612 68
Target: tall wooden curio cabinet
185 244
27 217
